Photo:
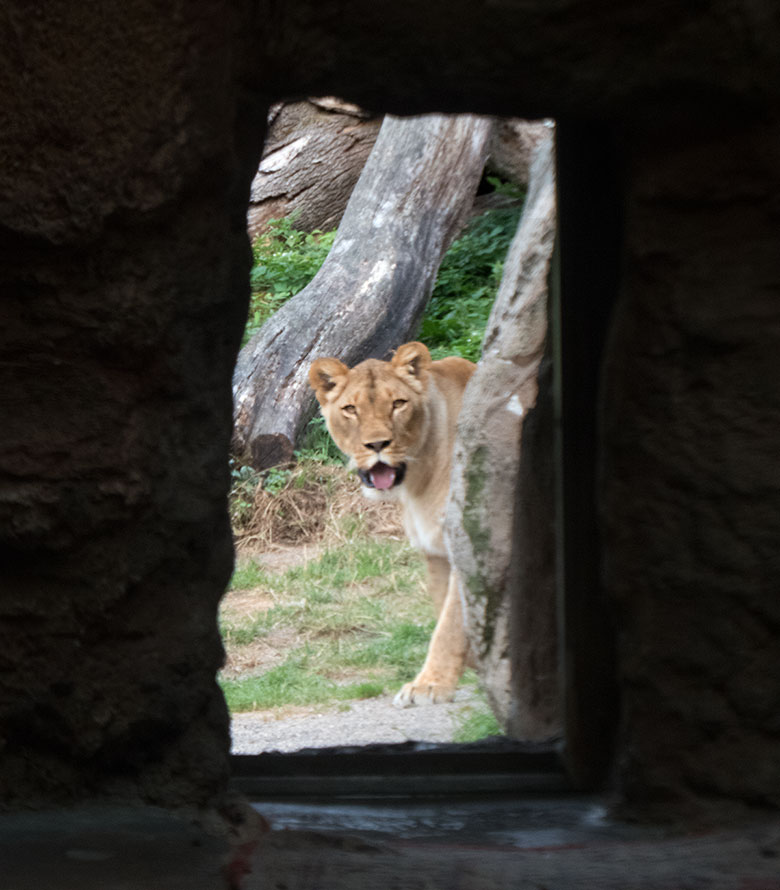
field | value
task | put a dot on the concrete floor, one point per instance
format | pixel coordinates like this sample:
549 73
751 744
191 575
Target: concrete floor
108 847
535 843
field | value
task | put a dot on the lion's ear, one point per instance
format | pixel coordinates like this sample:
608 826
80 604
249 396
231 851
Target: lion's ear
325 374
412 362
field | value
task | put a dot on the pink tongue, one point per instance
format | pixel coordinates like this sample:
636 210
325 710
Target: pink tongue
383 476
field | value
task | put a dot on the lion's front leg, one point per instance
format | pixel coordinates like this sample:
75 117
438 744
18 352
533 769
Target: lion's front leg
446 657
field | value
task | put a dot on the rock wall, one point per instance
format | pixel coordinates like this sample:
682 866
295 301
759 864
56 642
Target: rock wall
123 261
130 133
691 479
500 513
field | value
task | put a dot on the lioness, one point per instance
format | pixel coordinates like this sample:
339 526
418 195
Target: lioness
396 422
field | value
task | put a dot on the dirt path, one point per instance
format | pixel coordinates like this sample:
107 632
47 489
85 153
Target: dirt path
374 720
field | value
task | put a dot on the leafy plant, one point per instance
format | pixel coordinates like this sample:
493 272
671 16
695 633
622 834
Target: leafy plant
285 261
244 487
317 444
276 478
469 275
244 484
508 189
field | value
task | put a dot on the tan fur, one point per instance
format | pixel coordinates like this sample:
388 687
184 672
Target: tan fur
401 414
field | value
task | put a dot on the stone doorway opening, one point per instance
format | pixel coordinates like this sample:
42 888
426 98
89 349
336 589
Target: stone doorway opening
581 695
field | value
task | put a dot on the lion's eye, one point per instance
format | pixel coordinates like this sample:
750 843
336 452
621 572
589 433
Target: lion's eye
351 410
399 403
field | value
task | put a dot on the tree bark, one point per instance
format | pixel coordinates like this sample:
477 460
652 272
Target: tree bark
513 147
313 157
409 203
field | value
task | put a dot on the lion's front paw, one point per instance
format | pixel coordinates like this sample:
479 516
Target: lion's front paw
422 693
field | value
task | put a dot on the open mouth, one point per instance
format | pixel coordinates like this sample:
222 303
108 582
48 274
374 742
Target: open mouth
382 476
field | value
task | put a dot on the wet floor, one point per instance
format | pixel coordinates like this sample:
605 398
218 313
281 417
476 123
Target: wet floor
531 822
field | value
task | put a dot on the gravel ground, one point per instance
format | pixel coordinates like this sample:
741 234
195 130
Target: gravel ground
373 720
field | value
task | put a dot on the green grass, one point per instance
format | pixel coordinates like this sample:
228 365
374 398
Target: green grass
476 724
248 573
393 564
360 621
292 683
359 616
402 646
476 721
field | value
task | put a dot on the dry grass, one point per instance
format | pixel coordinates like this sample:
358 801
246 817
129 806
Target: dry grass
318 504
284 522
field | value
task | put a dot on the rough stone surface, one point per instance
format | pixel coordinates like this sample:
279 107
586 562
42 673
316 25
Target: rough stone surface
503 844
692 486
499 518
122 297
533 60
130 134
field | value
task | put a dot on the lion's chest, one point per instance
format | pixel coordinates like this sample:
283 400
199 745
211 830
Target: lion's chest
424 529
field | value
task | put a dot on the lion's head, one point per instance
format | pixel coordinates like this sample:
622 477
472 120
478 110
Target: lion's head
376 411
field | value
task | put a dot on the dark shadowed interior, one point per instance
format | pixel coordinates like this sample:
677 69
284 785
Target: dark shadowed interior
131 132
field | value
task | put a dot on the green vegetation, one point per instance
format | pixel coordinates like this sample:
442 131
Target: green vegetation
244 484
246 575
285 261
289 684
466 286
476 721
353 623
317 445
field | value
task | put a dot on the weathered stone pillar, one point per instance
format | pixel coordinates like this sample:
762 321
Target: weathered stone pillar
123 260
501 510
691 472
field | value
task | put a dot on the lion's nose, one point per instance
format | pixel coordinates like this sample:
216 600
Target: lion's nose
377 446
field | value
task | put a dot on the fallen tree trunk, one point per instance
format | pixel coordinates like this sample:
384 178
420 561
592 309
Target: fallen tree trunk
313 156
409 203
